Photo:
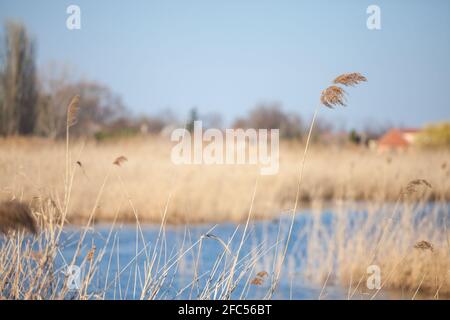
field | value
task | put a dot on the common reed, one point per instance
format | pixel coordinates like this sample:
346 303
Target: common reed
72 111
333 96
16 215
22 279
330 97
220 193
32 168
141 191
120 160
424 245
414 184
350 79
409 267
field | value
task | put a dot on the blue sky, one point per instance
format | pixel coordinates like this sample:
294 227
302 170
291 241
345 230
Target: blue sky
227 56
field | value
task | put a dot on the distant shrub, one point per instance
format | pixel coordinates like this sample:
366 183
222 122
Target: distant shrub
435 135
116 134
354 137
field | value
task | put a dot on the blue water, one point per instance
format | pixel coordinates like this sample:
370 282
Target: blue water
121 250
125 252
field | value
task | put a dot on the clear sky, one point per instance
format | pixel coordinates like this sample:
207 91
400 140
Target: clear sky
226 56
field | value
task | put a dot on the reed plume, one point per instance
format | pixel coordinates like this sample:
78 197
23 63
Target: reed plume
350 79
412 186
120 160
259 279
330 97
424 245
333 96
72 111
16 215
256 281
262 274
90 255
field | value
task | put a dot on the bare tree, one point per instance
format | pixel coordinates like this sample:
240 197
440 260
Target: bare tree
272 117
55 90
18 82
99 106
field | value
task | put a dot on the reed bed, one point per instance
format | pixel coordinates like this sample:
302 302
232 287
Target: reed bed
408 242
401 228
398 229
33 171
45 185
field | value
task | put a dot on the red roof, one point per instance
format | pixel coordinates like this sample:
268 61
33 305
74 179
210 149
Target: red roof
395 138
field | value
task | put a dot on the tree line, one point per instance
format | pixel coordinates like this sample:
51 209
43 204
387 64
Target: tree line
34 103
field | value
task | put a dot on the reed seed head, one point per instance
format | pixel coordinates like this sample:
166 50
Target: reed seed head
256 281
350 79
72 111
90 255
259 279
424 245
412 186
120 160
333 96
262 274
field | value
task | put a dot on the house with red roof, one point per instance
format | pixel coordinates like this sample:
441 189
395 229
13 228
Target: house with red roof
397 139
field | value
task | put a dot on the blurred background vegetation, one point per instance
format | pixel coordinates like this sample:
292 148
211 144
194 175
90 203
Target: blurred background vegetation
435 135
33 102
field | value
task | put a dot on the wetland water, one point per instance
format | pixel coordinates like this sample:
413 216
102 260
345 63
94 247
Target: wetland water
205 253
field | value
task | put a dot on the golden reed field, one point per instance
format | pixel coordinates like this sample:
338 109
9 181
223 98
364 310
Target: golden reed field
401 230
33 170
134 180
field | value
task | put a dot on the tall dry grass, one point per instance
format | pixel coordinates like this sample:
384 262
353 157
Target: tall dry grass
30 268
148 187
134 180
408 241
34 171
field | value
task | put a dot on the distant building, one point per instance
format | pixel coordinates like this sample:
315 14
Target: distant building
397 139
